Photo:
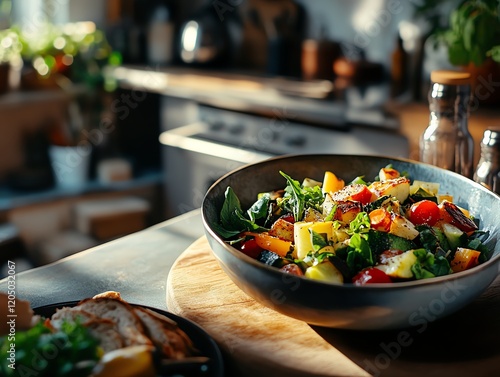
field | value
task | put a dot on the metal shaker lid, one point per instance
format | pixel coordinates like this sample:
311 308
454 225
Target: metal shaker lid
491 137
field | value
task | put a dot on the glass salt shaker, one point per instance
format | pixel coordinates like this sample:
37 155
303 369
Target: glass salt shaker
488 169
447 142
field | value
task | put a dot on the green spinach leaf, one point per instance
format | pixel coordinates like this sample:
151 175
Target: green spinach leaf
432 238
259 209
360 224
232 218
359 254
297 198
318 240
428 265
475 243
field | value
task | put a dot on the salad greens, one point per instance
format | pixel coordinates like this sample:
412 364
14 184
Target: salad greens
71 352
429 266
298 197
359 254
232 218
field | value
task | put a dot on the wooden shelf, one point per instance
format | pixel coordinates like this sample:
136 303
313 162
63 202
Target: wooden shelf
10 199
27 97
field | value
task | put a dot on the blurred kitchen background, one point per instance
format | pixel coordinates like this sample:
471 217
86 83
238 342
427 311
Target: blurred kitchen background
116 115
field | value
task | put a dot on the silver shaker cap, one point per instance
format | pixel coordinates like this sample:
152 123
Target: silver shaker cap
491 137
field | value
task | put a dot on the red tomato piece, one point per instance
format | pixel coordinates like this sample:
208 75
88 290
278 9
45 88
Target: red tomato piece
251 248
371 275
356 192
424 212
363 194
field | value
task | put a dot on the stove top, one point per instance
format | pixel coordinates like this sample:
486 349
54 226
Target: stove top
281 134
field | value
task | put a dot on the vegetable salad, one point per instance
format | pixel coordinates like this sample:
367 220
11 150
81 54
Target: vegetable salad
386 230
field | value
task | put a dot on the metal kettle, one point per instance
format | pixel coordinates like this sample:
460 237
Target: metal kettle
204 40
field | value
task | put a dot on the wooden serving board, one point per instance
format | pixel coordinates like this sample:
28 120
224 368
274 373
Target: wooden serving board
257 341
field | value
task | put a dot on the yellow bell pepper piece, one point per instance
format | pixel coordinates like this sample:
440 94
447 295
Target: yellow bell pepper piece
331 183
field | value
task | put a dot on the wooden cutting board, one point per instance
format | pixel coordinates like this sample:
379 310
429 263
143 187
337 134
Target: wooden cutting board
257 341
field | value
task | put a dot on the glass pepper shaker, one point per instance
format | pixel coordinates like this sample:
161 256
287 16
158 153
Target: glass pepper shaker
447 142
488 169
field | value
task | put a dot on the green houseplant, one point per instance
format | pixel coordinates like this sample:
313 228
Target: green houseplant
473 35
472 39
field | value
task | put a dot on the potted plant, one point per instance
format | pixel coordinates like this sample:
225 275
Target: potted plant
473 35
472 39
75 51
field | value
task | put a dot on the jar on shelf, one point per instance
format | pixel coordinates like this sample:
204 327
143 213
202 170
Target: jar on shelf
447 142
488 169
160 38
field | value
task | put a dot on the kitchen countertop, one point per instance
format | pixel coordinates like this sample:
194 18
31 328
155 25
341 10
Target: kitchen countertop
136 265
314 101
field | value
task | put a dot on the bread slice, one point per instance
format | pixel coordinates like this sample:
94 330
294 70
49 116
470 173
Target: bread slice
70 315
127 322
117 324
104 330
107 334
165 334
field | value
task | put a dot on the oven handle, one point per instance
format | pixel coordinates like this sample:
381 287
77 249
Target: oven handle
181 138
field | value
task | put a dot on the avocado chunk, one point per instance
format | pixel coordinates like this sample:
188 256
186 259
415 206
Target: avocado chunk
381 241
455 236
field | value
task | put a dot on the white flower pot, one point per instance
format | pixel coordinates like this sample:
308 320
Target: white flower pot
70 165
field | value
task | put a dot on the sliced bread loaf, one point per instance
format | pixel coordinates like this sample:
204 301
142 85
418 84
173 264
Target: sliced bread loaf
104 330
165 334
127 322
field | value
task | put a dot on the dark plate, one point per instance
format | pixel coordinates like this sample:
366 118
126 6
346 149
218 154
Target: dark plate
202 341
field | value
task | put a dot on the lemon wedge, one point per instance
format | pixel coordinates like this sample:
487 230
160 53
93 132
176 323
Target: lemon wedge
132 361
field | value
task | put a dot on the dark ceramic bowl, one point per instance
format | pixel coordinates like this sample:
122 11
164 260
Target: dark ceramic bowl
377 306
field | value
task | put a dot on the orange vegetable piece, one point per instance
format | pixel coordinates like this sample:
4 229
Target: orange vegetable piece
274 244
452 214
380 219
464 259
331 183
